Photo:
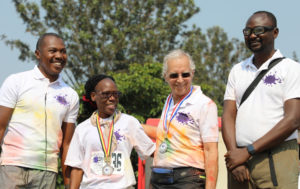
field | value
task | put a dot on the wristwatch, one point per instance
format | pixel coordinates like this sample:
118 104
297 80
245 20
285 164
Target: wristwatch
251 149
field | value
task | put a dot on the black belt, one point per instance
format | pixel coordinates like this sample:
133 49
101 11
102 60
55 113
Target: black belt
189 170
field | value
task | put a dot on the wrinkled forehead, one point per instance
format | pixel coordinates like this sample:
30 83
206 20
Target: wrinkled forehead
178 63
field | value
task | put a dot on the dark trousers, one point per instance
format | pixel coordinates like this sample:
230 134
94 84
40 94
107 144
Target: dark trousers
180 178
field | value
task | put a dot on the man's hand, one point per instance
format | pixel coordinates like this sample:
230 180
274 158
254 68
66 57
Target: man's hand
241 173
236 157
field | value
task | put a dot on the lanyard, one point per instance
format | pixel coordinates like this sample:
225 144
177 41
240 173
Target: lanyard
175 110
106 148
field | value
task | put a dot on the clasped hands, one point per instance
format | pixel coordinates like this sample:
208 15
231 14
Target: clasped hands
235 160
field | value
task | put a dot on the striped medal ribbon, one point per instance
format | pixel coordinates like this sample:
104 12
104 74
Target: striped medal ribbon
164 145
107 169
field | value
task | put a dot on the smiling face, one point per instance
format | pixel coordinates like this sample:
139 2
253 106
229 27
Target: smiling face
263 42
106 106
52 57
180 86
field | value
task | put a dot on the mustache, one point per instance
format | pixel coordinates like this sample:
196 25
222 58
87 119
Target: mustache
62 61
255 40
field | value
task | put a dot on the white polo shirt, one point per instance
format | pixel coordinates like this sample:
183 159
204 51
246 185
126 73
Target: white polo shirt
263 109
40 108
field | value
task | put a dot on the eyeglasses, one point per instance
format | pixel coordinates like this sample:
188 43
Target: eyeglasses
257 30
176 75
108 94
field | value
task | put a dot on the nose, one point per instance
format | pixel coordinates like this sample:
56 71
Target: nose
112 98
59 55
180 78
252 35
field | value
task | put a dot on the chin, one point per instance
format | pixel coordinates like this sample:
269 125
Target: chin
110 112
256 50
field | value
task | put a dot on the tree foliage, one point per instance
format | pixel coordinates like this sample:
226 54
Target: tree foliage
106 35
144 91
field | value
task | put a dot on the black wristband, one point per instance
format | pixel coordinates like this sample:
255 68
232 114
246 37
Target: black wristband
251 149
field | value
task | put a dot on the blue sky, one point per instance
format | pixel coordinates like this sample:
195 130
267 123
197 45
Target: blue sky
231 15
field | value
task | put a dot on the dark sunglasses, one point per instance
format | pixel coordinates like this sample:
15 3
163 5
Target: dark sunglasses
183 75
257 30
108 94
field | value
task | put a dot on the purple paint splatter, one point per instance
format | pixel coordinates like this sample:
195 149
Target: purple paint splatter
118 136
183 118
61 99
271 79
95 159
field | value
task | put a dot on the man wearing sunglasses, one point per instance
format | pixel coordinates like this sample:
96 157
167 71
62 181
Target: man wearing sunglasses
260 132
186 153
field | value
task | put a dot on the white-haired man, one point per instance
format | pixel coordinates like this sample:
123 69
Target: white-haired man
186 153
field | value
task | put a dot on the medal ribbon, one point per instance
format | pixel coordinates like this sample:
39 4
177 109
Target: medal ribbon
177 106
106 149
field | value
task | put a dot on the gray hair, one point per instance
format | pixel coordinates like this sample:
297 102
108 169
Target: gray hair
177 53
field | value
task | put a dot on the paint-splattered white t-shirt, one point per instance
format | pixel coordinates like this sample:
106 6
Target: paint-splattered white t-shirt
85 152
40 108
195 123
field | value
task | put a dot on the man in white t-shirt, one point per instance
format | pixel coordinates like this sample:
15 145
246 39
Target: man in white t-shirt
37 115
260 134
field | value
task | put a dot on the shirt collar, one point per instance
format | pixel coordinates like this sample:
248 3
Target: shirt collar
248 63
37 74
192 99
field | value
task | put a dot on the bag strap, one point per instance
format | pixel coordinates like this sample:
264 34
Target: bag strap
258 78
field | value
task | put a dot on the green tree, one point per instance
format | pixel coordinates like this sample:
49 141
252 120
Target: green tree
106 35
144 91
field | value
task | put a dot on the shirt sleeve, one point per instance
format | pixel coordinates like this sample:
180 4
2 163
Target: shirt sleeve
140 140
9 92
291 82
75 153
71 116
209 123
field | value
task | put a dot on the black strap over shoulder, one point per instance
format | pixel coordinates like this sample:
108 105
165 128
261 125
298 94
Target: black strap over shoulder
258 78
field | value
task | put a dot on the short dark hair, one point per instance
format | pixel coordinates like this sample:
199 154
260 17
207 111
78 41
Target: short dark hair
89 87
269 15
42 37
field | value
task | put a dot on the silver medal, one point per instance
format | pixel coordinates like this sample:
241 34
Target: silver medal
163 147
107 170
